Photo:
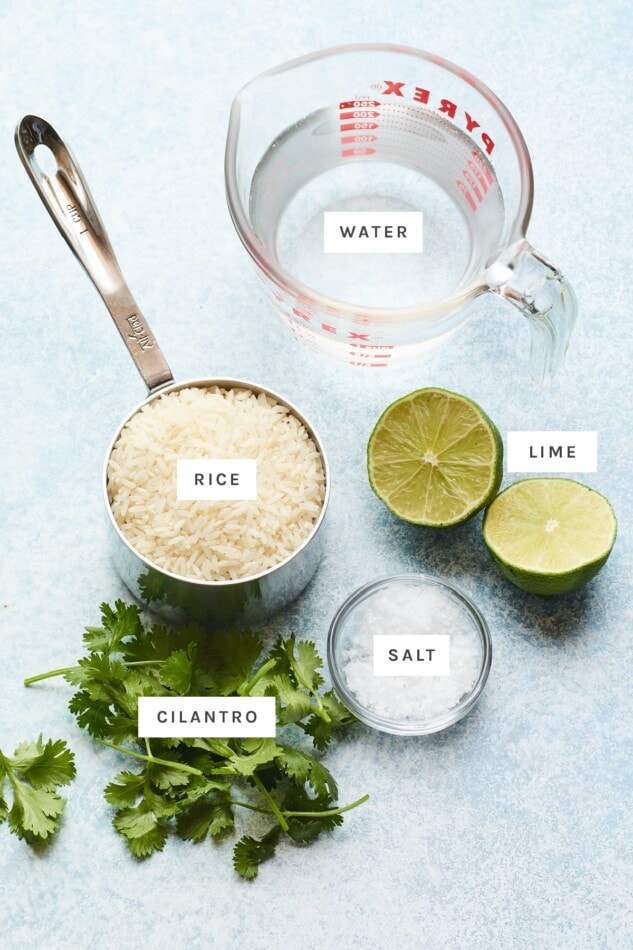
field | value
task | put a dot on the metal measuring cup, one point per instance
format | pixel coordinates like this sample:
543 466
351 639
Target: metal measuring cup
67 199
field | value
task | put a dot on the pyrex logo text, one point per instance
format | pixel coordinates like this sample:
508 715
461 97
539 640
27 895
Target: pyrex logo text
450 109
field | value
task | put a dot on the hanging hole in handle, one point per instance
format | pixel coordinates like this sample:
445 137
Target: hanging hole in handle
45 160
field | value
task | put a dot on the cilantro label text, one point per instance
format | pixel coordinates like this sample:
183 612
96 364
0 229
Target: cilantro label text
203 717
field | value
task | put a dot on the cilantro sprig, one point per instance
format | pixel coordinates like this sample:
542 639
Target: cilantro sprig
33 774
192 787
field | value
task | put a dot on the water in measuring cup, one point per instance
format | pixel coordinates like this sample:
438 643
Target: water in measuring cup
419 161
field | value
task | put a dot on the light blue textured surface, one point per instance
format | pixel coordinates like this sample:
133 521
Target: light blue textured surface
509 830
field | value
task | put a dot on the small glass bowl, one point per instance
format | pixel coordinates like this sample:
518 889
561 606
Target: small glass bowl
339 640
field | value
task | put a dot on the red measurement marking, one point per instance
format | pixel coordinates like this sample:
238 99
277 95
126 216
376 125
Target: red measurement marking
353 126
485 170
480 178
467 195
348 139
360 114
359 104
349 152
368 365
300 313
473 184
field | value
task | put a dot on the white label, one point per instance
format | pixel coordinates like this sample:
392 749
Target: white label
217 479
203 717
552 452
412 654
368 232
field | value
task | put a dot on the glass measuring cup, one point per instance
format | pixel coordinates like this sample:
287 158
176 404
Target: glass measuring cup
373 128
66 197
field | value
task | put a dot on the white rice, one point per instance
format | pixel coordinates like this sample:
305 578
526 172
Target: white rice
215 540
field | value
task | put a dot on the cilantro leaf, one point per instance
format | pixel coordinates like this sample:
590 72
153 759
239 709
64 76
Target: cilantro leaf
250 852
123 792
306 665
294 704
164 777
296 764
34 772
323 730
232 655
35 812
251 753
322 780
301 660
302 768
311 821
177 671
209 815
150 646
91 715
184 784
44 766
119 728
143 832
123 621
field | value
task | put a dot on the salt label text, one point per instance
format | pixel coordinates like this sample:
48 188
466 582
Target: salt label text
412 654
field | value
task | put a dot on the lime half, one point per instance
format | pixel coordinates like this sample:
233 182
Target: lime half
549 535
434 458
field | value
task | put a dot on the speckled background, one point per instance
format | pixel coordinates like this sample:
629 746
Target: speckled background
508 831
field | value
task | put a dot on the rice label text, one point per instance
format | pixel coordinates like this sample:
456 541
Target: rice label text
552 452
216 479
369 232
204 717
412 654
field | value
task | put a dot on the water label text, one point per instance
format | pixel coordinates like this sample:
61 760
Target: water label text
369 232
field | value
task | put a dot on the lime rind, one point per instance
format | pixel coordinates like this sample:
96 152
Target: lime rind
457 479
555 560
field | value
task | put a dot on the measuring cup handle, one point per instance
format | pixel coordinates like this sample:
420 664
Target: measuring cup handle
67 199
538 289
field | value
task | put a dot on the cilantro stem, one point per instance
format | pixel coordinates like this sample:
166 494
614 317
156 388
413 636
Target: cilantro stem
321 710
262 811
142 662
70 669
149 758
245 690
50 674
271 801
326 814
300 814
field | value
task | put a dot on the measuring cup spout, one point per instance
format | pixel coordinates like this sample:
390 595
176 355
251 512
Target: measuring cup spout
538 289
67 199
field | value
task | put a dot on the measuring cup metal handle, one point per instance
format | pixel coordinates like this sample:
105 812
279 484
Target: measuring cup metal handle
538 289
67 199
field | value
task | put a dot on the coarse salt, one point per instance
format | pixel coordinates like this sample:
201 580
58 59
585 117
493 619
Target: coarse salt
405 609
